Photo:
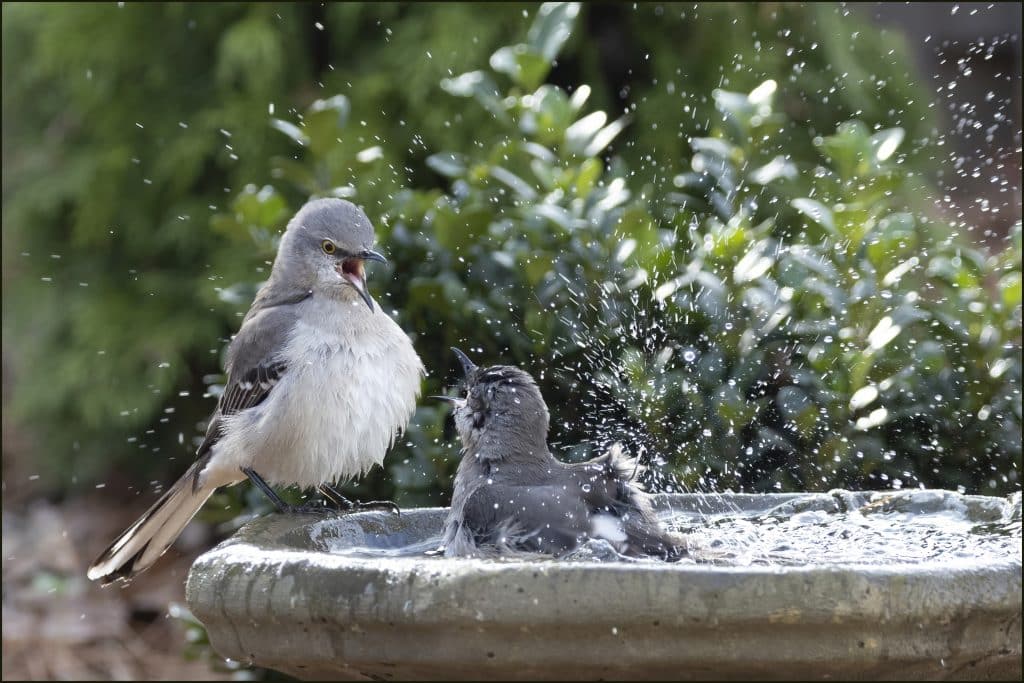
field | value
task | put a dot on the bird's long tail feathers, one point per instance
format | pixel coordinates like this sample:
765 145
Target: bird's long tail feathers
152 534
625 467
643 530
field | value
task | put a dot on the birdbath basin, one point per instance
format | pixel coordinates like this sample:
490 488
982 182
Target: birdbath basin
894 585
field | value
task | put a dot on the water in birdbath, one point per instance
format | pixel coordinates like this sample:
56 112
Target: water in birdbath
840 527
858 528
924 583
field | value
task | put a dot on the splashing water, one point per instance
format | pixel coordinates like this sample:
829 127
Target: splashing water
862 529
837 528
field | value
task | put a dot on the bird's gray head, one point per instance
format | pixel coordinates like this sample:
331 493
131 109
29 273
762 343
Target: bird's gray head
324 247
502 407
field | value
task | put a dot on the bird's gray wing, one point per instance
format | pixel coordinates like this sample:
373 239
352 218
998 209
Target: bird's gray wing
254 365
606 484
549 518
275 293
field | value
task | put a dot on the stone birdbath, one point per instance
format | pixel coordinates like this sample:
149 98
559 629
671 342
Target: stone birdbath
896 585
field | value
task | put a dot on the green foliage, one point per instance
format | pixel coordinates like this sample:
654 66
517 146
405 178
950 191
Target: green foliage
126 130
847 343
775 321
719 249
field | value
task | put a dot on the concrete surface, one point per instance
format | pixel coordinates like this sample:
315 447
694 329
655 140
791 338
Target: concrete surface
297 594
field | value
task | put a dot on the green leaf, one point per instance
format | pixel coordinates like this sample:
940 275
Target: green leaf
579 97
537 267
517 184
556 214
300 175
1010 289
549 115
884 143
579 135
523 65
604 137
338 104
817 212
769 438
849 149
813 260
457 230
323 124
552 27
779 167
587 177
798 407
764 94
504 59
447 164
754 263
733 408
291 130
539 152
544 173
264 208
737 110
480 86
637 224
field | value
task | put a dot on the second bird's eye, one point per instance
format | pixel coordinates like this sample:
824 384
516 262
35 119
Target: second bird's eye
328 246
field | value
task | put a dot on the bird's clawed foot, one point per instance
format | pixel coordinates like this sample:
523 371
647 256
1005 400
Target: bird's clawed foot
321 510
345 505
283 507
341 503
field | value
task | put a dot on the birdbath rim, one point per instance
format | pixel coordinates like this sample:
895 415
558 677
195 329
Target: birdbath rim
293 594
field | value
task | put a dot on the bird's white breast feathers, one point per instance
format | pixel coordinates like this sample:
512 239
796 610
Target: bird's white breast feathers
351 386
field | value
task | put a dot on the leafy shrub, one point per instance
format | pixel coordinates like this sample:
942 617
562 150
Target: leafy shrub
720 301
817 333
771 321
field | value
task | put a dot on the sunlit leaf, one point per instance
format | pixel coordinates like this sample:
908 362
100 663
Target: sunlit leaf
1010 289
338 104
552 27
580 134
522 64
289 129
886 142
604 136
480 86
779 167
447 164
817 212
517 184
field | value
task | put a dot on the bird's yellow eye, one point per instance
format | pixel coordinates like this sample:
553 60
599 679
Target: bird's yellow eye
327 246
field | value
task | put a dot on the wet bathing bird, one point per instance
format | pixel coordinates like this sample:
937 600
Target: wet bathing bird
320 382
512 496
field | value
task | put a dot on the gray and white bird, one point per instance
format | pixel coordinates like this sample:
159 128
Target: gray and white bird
320 382
512 496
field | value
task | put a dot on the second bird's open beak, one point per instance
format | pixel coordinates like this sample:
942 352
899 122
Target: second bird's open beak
467 365
454 400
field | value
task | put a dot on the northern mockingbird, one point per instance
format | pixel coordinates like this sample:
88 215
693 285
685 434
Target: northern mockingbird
513 497
320 382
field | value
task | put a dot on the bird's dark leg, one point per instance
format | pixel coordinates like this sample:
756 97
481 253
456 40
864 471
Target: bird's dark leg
276 499
333 495
344 504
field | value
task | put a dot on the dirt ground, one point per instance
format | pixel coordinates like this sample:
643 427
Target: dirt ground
59 625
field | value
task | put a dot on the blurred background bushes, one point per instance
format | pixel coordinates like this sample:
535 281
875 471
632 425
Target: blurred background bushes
708 232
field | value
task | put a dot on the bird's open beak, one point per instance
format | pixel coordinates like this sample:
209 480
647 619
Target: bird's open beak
454 400
371 255
352 271
467 365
